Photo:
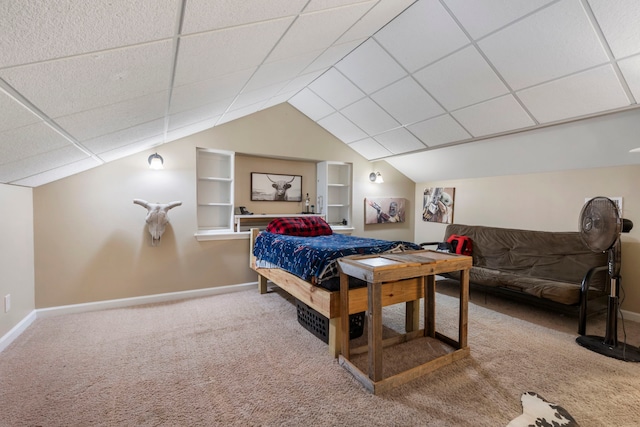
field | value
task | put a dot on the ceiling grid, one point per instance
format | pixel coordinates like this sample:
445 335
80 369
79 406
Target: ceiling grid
395 80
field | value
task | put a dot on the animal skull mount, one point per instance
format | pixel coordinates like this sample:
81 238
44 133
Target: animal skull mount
157 217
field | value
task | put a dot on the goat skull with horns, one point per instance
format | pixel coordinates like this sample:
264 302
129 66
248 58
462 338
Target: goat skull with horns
157 217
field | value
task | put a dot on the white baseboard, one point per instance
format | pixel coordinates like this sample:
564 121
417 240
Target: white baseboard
15 332
147 299
10 336
631 315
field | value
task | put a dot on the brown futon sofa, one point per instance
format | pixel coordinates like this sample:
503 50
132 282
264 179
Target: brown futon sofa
554 269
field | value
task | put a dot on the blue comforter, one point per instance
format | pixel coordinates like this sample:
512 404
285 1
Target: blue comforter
315 258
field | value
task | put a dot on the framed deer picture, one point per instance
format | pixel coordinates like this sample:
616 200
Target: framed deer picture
276 187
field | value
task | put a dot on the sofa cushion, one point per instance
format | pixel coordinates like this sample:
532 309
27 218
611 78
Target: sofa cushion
554 290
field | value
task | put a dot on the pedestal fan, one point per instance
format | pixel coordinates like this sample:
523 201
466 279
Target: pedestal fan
600 228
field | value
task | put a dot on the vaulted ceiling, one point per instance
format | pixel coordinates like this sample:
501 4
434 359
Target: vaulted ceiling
83 83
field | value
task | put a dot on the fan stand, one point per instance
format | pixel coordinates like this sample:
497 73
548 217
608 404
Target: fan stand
608 346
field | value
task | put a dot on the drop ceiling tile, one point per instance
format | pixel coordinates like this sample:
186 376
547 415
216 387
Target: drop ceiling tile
143 131
14 114
332 55
461 79
28 141
205 92
580 94
383 12
42 162
336 89
200 114
262 95
105 120
421 35
130 149
495 116
480 17
370 149
277 99
368 116
619 22
205 15
239 113
74 84
36 30
191 129
58 173
631 71
317 30
204 56
407 101
315 5
554 42
301 81
357 67
342 128
399 141
311 105
280 71
439 130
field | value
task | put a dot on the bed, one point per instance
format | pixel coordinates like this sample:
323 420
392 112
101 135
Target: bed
289 257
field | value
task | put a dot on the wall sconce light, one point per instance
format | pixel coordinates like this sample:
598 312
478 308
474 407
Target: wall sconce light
156 161
376 177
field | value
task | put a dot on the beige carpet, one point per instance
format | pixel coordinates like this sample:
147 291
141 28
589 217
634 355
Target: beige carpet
242 359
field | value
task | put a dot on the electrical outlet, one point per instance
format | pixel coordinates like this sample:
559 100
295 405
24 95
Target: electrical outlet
7 303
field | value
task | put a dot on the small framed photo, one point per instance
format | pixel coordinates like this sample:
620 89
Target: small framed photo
276 187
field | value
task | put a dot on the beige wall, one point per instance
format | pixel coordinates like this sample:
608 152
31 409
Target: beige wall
546 201
247 164
16 254
91 243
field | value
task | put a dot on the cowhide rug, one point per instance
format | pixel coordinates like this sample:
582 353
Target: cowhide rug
537 412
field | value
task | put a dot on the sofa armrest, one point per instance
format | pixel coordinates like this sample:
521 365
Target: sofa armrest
584 290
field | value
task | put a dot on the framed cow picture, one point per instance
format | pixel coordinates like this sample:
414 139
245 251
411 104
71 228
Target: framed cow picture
276 187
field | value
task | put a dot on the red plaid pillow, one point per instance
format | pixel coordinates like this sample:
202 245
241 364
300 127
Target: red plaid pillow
300 226
317 226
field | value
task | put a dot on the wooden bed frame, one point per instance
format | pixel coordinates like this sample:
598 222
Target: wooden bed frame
327 302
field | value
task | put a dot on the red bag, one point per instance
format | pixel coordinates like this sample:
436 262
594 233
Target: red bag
460 244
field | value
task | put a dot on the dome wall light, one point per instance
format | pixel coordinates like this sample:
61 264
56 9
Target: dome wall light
376 177
156 161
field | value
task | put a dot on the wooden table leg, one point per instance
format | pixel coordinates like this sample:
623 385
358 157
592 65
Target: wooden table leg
430 306
374 294
344 315
464 308
412 316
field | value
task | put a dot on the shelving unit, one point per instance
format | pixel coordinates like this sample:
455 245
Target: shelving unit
215 172
334 194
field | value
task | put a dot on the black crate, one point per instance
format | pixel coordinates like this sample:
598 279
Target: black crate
318 325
